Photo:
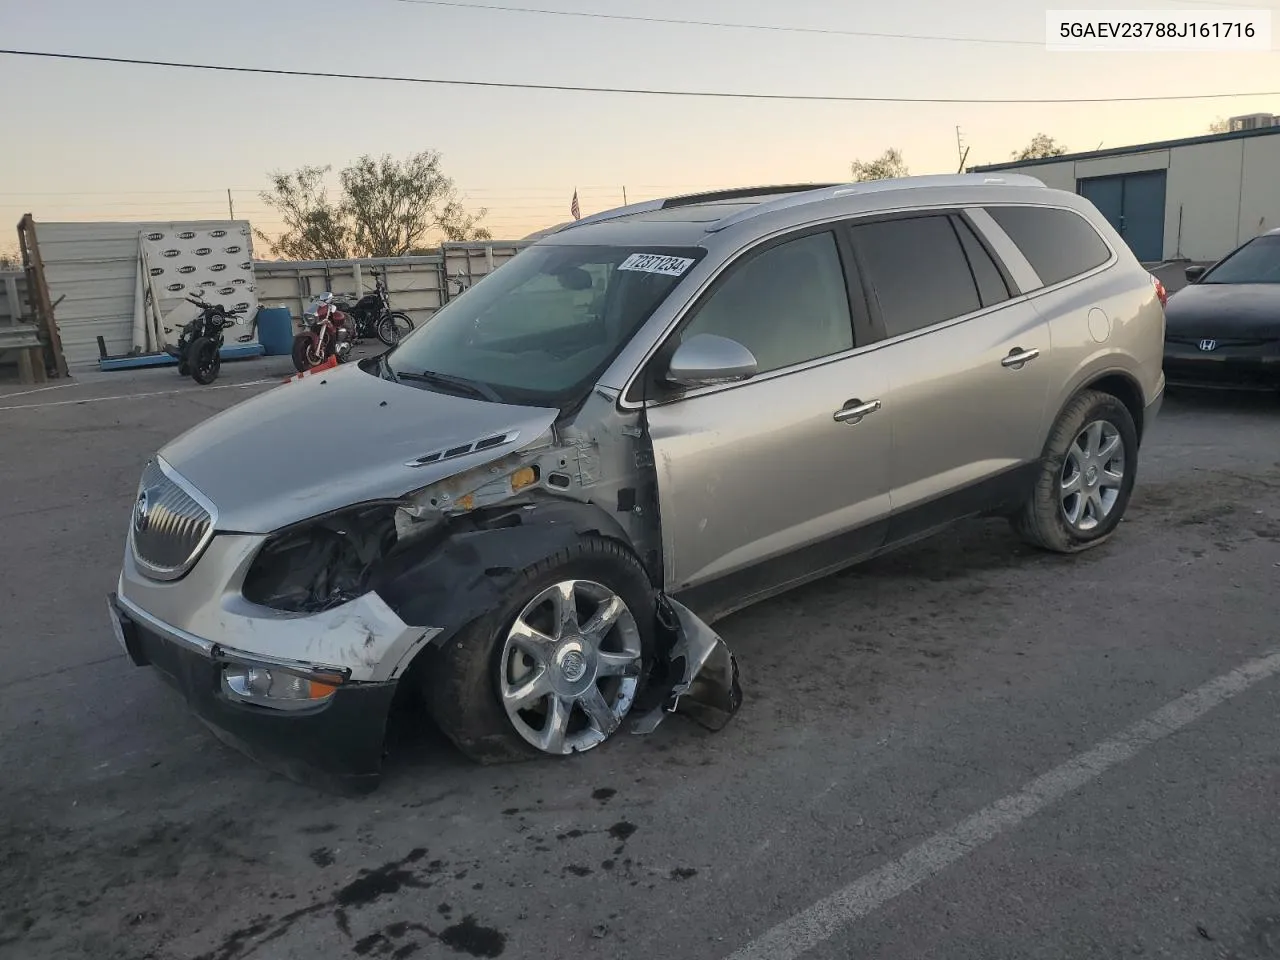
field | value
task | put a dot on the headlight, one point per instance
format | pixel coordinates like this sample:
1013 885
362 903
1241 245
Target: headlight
321 563
272 686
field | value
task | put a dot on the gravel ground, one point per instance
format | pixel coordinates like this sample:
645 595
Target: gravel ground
882 706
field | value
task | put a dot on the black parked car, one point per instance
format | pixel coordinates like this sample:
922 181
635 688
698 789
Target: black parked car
1223 328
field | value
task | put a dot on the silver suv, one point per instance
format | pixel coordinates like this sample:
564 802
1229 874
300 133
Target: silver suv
649 418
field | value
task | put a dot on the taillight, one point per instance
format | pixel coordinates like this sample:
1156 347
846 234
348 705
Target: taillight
1160 291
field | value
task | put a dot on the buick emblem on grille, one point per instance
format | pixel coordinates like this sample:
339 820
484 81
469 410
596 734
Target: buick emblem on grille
1207 345
142 512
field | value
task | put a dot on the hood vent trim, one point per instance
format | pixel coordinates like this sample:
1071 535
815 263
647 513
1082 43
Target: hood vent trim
476 446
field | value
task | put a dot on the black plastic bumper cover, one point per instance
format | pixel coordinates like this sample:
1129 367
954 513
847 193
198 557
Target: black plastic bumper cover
1260 371
337 746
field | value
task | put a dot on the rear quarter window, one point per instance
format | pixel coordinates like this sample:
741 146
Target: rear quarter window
1059 244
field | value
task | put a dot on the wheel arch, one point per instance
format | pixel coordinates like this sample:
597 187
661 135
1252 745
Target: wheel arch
469 568
1121 384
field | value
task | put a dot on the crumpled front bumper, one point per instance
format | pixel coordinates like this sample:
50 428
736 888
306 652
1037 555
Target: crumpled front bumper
335 745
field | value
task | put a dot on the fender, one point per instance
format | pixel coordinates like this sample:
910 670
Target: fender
470 566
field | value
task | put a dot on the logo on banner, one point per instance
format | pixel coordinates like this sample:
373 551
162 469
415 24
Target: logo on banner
242 306
232 250
208 283
239 281
187 268
156 271
175 287
217 234
171 253
187 235
203 252
246 265
218 267
227 292
155 237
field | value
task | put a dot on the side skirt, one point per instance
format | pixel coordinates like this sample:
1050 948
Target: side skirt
994 496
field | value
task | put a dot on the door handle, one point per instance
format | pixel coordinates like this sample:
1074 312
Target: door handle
1017 357
855 410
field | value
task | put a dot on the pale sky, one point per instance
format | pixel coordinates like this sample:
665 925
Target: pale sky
101 141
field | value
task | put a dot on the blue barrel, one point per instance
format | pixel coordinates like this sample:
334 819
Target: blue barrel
275 331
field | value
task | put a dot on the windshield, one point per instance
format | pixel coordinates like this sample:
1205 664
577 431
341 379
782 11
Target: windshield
544 327
1258 261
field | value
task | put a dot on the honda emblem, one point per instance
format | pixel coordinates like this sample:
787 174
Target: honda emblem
1207 345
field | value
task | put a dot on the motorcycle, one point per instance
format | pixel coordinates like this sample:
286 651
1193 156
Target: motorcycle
374 317
199 346
330 332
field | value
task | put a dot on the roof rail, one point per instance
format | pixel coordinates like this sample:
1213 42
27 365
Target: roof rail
690 199
877 186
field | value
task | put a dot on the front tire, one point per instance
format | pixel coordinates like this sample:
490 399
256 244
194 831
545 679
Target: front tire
393 327
204 360
1086 476
304 352
555 669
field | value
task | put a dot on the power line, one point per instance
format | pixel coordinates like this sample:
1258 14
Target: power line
732 25
640 91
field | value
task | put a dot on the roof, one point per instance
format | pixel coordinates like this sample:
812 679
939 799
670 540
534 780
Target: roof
689 219
1137 148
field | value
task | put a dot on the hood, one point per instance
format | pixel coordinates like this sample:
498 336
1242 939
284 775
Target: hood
318 444
1225 310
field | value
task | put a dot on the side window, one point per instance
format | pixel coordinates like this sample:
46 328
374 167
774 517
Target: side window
917 270
991 285
1059 244
786 305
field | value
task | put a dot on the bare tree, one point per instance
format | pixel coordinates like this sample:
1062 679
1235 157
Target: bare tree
387 208
10 260
886 166
1220 126
1042 145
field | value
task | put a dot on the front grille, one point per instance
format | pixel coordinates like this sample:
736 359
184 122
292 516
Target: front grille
169 527
1219 343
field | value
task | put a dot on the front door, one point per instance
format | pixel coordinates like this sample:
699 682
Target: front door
767 482
968 369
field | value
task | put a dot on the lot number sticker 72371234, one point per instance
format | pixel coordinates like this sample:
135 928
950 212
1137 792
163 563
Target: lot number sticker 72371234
655 263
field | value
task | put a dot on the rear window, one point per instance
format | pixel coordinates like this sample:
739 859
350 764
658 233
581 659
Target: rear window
1059 244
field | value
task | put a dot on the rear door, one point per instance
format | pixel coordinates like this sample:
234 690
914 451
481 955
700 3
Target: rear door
966 363
766 482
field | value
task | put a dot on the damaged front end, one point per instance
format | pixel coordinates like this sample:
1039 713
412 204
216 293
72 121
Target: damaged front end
451 552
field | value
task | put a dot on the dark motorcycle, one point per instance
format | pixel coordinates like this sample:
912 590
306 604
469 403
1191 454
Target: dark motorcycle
372 315
199 346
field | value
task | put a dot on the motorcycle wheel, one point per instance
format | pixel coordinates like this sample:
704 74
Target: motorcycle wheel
204 360
392 327
304 350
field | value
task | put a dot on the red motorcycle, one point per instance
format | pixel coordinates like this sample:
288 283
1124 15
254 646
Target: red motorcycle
330 333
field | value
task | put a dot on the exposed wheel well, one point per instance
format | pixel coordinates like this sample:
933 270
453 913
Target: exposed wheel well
1124 389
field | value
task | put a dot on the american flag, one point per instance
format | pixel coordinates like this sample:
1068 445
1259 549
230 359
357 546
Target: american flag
573 207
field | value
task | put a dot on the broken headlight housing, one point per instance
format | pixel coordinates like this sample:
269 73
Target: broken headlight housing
321 563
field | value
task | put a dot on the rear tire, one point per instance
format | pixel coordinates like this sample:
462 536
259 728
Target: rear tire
463 682
204 360
1086 476
393 327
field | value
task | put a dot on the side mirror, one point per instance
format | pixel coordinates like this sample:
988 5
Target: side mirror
706 359
1194 273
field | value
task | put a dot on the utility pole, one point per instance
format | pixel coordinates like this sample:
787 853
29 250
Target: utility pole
624 196
961 152
231 206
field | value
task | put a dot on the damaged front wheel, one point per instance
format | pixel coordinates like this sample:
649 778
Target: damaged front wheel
557 669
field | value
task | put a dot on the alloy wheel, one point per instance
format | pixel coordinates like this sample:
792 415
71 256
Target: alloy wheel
1092 476
570 667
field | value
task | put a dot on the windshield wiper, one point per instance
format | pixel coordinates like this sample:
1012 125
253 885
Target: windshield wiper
474 388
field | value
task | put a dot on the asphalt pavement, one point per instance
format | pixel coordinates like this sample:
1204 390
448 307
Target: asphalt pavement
968 749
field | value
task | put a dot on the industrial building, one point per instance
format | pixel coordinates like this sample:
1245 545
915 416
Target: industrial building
1196 198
